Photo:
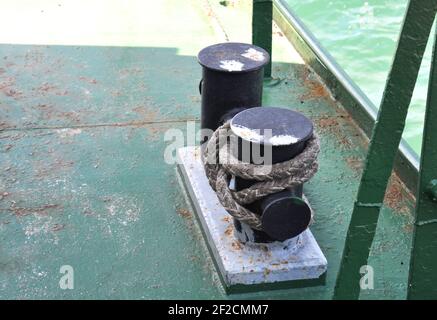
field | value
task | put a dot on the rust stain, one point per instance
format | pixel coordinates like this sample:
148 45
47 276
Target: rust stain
9 92
70 115
393 196
236 245
184 213
57 227
408 228
332 125
327 122
147 113
355 163
5 125
229 230
8 89
18 136
89 80
33 58
316 89
396 196
4 195
227 219
155 132
116 93
8 82
345 141
47 88
129 71
57 165
50 112
23 211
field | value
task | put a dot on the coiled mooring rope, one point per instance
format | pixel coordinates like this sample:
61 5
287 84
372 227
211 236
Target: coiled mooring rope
272 178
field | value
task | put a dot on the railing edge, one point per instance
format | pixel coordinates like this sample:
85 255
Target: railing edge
343 88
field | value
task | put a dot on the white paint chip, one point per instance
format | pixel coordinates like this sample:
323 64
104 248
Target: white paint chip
231 65
253 54
245 264
247 133
282 140
68 132
253 135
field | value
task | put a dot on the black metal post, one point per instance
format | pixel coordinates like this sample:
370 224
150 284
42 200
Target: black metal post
284 214
232 79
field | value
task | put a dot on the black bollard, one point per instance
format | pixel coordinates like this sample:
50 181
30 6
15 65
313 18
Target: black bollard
285 214
232 80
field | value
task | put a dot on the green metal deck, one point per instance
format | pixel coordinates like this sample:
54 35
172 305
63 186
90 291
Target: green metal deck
83 180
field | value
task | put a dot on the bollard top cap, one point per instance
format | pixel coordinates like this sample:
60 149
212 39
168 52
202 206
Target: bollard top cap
286 218
287 127
233 57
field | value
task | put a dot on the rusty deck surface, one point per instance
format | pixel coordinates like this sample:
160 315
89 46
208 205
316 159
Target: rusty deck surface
83 181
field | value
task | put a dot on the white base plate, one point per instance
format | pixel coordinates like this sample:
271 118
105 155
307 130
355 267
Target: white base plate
239 263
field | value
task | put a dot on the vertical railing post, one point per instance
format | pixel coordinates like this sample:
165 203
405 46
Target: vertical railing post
384 144
422 282
262 29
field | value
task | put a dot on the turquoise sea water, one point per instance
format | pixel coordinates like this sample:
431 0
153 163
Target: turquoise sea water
362 36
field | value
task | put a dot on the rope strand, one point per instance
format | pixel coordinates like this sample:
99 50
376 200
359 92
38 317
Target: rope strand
271 178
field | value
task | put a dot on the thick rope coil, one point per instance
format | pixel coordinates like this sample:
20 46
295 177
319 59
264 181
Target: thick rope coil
220 165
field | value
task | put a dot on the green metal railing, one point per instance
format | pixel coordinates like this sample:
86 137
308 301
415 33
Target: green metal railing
262 17
384 144
384 151
423 266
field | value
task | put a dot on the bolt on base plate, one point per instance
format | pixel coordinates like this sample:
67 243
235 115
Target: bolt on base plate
245 264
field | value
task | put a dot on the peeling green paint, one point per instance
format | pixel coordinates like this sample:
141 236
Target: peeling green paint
83 181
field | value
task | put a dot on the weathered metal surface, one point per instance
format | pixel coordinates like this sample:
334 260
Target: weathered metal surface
232 80
81 197
128 232
40 90
278 135
384 144
233 57
295 259
423 269
262 17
